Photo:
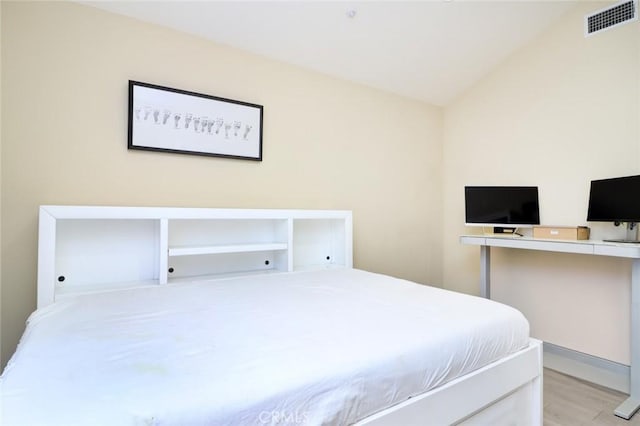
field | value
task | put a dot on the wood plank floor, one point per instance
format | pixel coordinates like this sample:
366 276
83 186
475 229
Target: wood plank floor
569 401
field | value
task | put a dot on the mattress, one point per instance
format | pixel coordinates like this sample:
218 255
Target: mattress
322 347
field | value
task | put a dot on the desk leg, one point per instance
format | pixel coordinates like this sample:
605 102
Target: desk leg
629 407
485 276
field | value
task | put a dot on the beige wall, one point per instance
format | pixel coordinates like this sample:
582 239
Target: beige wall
328 144
1 358
557 114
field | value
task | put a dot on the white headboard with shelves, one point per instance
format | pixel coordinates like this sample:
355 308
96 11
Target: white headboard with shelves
87 248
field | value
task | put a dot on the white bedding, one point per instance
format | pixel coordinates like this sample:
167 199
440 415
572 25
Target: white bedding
324 347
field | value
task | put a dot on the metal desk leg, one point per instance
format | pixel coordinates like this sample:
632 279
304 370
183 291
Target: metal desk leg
485 276
629 407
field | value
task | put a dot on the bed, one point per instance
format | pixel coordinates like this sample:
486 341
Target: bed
305 345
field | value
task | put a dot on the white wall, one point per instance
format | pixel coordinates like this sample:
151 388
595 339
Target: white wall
328 143
562 111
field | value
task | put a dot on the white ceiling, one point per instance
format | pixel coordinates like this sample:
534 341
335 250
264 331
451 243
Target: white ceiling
428 50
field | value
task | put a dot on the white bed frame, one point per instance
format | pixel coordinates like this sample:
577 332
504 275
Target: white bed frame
147 246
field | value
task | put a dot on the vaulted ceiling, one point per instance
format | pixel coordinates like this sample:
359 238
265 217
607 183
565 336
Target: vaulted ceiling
427 50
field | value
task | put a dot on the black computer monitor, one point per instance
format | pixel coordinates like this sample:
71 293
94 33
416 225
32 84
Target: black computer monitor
502 206
614 200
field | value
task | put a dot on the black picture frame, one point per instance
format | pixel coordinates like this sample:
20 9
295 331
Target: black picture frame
178 121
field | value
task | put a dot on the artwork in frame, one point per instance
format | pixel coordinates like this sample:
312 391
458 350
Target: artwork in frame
172 120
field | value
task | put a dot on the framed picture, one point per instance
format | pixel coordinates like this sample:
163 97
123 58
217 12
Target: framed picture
172 120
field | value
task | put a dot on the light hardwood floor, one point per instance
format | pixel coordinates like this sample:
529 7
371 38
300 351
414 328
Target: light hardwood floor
569 401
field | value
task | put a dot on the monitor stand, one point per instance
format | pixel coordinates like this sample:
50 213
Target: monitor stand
632 235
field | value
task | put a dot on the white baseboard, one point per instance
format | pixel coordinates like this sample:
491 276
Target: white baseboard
586 367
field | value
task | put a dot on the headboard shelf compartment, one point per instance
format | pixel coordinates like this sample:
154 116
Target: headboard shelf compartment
320 242
90 248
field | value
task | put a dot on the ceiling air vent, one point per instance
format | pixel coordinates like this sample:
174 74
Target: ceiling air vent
612 16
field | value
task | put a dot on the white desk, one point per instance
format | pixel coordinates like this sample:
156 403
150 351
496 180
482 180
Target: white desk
590 247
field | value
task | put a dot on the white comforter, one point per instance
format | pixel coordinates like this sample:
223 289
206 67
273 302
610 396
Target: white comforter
325 347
